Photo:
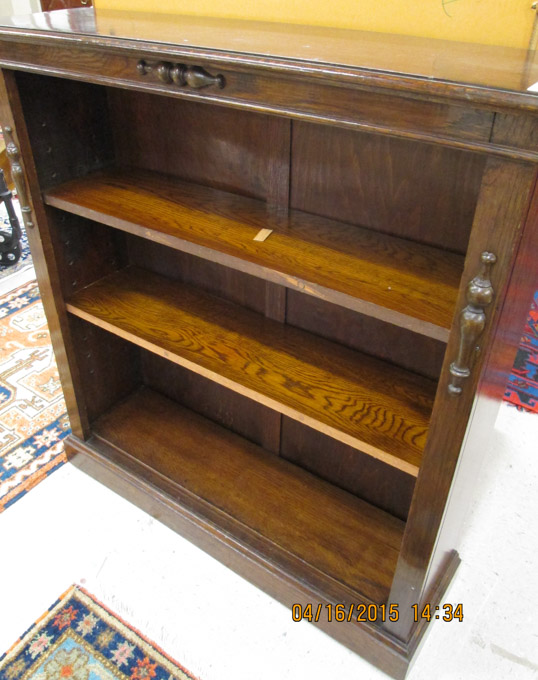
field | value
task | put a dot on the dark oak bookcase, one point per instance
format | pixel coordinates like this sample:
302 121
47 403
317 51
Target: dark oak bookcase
305 402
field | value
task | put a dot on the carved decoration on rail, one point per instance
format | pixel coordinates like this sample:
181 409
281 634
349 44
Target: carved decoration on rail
183 76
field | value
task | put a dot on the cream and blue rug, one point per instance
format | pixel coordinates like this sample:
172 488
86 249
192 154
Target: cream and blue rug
80 639
33 418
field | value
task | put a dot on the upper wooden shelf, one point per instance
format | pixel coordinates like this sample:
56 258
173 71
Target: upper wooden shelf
361 401
389 278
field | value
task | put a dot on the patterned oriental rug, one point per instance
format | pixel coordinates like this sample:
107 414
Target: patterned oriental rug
79 639
33 418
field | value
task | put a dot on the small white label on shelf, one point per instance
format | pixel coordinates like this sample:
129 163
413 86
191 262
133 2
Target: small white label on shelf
263 234
533 88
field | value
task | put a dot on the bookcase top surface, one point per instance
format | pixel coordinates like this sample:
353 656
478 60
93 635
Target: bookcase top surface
432 67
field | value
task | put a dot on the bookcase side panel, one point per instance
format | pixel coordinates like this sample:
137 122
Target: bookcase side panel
502 210
13 117
498 364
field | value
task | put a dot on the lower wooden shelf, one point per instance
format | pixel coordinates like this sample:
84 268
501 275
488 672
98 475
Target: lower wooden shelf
290 517
366 403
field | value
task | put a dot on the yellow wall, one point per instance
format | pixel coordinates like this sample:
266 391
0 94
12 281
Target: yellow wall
494 22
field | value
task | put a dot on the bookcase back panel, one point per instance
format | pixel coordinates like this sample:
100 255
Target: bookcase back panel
384 486
420 191
109 366
237 151
85 250
366 334
68 126
243 416
343 466
243 289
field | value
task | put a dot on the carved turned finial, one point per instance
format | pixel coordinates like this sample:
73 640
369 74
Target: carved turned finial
472 322
479 290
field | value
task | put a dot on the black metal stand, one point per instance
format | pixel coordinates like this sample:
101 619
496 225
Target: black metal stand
10 242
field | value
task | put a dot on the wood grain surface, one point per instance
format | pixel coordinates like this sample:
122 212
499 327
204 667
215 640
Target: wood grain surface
416 353
361 401
12 114
387 488
68 125
221 147
351 540
245 417
405 188
276 571
386 277
109 366
381 164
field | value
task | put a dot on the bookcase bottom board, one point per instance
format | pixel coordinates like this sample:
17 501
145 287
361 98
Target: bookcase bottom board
103 464
261 562
316 530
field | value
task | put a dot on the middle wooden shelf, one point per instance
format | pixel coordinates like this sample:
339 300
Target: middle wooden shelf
387 277
361 401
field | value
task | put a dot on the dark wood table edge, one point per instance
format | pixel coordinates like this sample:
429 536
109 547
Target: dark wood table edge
408 83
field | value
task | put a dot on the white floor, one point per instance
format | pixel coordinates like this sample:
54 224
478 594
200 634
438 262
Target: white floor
70 529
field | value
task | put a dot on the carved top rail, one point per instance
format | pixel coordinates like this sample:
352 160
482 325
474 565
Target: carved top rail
471 73
472 97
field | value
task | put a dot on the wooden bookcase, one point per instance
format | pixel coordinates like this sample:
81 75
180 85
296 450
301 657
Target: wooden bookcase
280 295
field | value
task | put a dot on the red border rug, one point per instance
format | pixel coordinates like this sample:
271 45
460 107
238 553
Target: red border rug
522 387
33 418
78 638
